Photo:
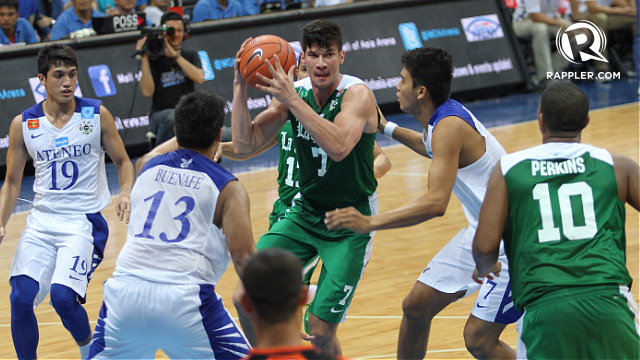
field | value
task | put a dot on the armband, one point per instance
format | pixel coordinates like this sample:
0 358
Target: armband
389 128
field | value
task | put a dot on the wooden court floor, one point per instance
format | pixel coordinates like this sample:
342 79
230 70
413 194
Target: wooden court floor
371 328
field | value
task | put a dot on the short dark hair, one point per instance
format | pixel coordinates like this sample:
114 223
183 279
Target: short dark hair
431 68
10 4
198 119
565 107
322 33
272 279
172 15
54 55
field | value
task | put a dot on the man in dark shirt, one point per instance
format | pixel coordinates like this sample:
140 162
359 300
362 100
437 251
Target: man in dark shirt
165 78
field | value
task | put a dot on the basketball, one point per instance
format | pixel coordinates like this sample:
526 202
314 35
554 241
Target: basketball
252 60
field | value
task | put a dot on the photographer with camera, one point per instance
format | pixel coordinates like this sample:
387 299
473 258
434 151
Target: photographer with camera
168 72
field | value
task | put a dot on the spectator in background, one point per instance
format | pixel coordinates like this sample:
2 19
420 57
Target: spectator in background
608 15
14 28
216 10
48 12
155 10
536 21
165 78
78 17
28 10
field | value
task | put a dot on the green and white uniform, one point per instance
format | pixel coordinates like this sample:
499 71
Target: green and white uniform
565 241
287 174
326 185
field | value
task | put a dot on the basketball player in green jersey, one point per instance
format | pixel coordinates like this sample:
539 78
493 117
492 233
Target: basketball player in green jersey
561 209
334 119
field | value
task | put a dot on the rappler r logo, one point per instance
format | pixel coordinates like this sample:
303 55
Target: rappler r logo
597 47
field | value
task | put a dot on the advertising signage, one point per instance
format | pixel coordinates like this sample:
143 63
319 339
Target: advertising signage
375 35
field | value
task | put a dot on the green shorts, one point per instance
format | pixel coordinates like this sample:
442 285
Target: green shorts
278 212
591 322
344 255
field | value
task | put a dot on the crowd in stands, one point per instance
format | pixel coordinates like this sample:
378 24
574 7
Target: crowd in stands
32 21
535 22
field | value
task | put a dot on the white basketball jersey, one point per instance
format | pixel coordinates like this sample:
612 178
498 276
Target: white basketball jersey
471 181
70 176
171 237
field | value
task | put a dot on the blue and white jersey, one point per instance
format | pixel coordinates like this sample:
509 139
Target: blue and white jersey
70 176
471 181
171 237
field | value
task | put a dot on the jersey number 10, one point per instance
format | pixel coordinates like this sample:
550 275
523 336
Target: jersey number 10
549 231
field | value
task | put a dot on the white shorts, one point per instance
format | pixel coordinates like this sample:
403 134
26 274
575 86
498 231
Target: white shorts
451 269
185 321
60 249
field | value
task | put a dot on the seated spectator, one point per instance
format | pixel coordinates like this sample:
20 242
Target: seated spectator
76 18
155 10
14 28
536 21
48 12
216 10
608 15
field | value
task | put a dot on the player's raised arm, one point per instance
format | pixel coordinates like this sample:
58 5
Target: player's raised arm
249 136
409 138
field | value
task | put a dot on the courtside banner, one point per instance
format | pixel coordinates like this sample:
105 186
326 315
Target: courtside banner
375 34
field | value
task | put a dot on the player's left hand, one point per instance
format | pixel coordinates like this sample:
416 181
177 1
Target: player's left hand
281 83
348 218
123 208
495 270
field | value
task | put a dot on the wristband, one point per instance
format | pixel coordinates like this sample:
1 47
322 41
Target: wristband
388 129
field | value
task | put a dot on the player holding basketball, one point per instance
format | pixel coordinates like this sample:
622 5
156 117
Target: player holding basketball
65 236
162 294
560 207
334 120
463 153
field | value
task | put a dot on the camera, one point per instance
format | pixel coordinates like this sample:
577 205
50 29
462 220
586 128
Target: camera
154 46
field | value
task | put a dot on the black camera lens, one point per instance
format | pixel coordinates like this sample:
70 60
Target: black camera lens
170 30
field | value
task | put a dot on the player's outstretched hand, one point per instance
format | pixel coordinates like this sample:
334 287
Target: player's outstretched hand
2 233
281 84
348 218
123 208
479 278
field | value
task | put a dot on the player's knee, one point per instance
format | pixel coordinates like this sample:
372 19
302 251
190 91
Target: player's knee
64 300
23 293
413 308
477 342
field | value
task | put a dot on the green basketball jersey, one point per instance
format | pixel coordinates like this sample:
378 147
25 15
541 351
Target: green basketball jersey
287 165
325 183
566 224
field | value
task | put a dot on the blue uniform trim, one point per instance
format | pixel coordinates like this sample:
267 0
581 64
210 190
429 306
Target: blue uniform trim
33 112
225 338
100 234
189 159
36 110
511 314
451 108
98 344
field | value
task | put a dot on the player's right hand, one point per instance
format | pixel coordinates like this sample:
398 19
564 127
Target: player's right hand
237 75
479 278
2 233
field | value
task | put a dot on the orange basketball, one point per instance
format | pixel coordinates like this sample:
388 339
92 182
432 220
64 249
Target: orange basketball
261 48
